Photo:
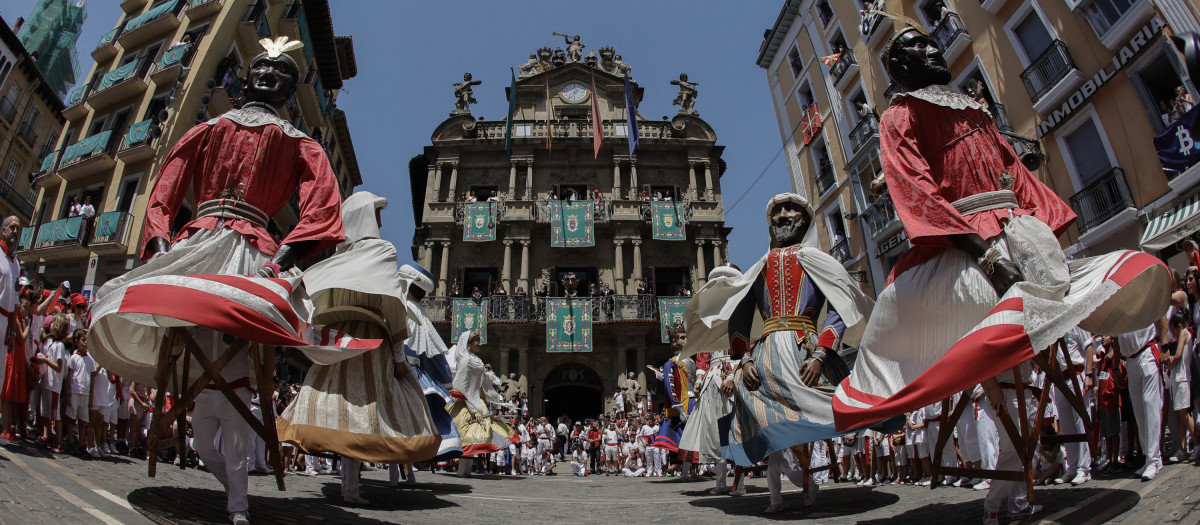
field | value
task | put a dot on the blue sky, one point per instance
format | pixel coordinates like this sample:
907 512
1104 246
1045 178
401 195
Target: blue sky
409 53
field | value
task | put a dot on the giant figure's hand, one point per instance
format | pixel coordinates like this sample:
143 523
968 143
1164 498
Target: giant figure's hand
810 371
1005 274
158 246
750 377
285 258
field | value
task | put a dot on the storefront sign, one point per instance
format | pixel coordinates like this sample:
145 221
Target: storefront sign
894 241
1136 44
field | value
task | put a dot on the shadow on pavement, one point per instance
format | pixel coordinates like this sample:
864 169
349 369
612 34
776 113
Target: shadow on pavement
831 504
200 505
420 486
1112 502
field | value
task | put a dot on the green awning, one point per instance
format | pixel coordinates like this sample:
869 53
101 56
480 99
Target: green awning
1173 225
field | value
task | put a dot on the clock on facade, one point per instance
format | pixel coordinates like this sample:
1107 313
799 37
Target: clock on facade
574 92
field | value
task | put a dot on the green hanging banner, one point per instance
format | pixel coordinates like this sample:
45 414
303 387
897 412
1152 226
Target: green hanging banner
572 224
479 221
468 314
569 325
668 221
670 311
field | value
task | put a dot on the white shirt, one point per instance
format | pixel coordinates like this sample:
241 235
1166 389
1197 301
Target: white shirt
610 438
105 392
81 367
10 269
54 352
87 210
562 429
579 456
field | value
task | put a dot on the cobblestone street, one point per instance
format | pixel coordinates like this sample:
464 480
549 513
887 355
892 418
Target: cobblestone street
35 488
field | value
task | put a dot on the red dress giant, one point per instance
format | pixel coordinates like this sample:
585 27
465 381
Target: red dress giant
939 326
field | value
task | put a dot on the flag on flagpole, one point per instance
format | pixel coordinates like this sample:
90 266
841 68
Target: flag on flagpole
512 109
631 117
549 115
597 127
830 59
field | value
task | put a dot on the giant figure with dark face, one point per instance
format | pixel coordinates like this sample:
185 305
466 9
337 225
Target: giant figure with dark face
786 319
985 284
241 168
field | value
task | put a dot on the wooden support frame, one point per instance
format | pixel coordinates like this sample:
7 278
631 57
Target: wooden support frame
166 377
1025 435
804 458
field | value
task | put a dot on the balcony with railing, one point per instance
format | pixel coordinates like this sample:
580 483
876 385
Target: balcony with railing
226 92
1102 200
844 70
1000 117
526 309
138 143
602 211
8 109
152 24
73 106
110 233
48 163
841 251
119 84
62 238
875 26
880 215
864 132
951 35
18 202
25 240
28 133
198 9
106 48
89 156
1051 77
171 65
825 179
254 25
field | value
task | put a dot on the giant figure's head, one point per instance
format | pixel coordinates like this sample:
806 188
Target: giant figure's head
915 61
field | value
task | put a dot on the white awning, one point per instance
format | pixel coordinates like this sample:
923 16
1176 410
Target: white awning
1172 225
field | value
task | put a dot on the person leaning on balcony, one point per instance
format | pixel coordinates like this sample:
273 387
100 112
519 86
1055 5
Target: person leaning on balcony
86 210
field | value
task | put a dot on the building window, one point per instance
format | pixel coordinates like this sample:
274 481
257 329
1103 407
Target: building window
1087 152
10 176
8 107
1033 37
794 61
825 12
1104 14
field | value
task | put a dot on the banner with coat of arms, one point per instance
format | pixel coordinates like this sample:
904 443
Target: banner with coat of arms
668 221
572 224
468 314
670 311
569 325
479 221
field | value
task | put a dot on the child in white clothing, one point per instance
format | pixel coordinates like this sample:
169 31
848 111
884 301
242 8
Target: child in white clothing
80 370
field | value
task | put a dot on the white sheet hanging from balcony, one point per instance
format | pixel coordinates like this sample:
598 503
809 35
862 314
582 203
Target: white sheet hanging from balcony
1173 225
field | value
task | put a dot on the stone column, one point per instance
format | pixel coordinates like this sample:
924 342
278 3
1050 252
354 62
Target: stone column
691 191
504 369
512 180
523 370
435 182
701 273
444 269
506 270
529 180
619 267
616 193
717 259
637 258
427 256
525 267
633 182
453 191
708 181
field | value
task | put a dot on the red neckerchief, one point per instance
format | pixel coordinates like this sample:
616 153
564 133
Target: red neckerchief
7 250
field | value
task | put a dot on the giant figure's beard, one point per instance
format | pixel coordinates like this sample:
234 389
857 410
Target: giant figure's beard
789 233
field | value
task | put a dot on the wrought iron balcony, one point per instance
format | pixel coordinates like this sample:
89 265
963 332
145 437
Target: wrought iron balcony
866 130
532 309
119 84
874 26
20 203
151 24
28 133
845 65
951 35
62 232
110 233
880 215
88 156
1000 117
825 179
8 109
138 143
1047 70
1102 200
841 251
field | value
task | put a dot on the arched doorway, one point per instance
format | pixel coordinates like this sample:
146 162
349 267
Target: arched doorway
573 390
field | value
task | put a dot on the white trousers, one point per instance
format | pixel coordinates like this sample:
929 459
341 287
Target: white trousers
989 437
949 459
256 458
968 435
1146 392
350 470
778 464
722 469
1014 491
633 473
1079 456
578 468
214 418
